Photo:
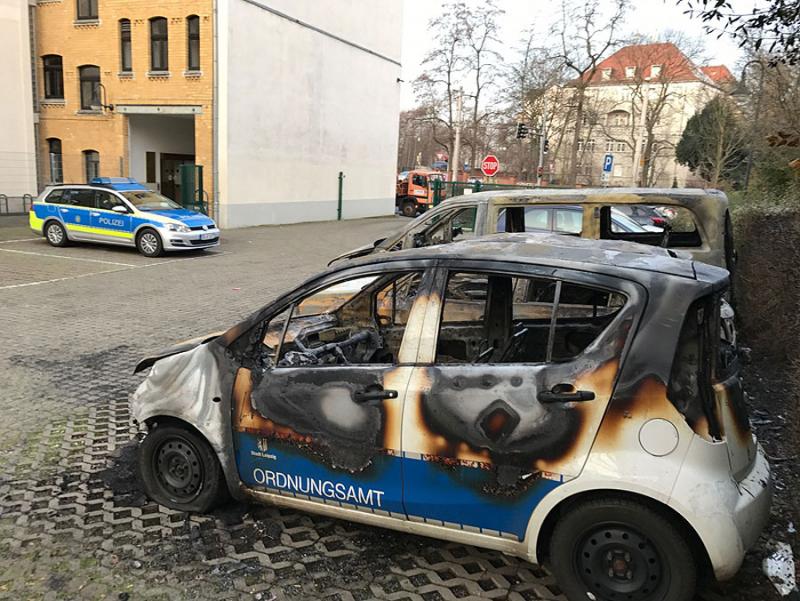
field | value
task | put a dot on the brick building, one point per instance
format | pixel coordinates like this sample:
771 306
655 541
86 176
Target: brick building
250 90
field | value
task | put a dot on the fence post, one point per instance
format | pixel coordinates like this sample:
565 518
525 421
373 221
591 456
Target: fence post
437 191
339 204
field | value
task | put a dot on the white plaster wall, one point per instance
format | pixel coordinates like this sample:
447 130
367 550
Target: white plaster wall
301 106
17 140
159 134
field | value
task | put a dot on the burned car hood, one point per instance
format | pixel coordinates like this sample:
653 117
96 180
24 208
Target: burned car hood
361 251
181 347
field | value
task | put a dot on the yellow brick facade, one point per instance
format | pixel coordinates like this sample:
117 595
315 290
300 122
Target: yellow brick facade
98 43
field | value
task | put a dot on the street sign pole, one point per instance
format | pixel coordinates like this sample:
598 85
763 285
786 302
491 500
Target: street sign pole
457 142
542 138
608 165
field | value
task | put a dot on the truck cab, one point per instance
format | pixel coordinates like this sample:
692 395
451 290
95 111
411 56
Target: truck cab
415 190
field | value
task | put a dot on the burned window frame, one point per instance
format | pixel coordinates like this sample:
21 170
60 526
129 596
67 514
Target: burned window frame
246 346
693 239
559 277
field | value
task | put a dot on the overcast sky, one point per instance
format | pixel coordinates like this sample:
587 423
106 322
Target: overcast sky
647 17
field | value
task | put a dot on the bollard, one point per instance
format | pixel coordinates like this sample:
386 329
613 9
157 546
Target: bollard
339 205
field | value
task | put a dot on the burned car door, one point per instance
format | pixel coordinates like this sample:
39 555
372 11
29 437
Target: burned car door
318 416
519 374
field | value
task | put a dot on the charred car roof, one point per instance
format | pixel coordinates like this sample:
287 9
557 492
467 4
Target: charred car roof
613 257
618 195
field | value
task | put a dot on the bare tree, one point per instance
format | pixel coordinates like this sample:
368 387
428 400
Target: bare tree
482 63
586 33
437 87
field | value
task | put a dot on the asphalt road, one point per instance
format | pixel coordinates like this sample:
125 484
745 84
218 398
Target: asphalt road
73 522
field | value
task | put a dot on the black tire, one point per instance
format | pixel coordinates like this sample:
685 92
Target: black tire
148 242
409 208
616 549
55 234
179 469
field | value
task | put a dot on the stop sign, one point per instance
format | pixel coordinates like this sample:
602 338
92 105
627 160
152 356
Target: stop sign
490 165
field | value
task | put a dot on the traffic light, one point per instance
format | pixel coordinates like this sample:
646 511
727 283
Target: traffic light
546 147
522 131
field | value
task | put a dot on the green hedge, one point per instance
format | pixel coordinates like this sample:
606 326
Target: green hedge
767 239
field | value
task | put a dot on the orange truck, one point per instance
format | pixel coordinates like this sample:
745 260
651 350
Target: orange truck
415 190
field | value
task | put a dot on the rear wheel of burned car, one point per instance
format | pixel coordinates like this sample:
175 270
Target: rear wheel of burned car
179 469
619 549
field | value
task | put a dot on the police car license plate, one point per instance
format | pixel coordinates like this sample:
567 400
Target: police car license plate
207 236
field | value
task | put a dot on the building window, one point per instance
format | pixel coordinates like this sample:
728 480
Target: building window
87 9
158 44
53 76
91 161
193 35
617 119
605 74
56 163
655 71
630 72
90 86
125 57
609 146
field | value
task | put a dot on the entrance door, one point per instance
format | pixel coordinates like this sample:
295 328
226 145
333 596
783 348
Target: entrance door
515 388
318 416
171 174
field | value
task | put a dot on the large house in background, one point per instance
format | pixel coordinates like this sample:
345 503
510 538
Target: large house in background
254 106
637 103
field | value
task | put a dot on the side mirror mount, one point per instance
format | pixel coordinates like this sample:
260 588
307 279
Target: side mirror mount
119 209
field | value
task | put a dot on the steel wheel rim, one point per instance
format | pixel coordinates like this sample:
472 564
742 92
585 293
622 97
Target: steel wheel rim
54 234
617 562
149 243
179 469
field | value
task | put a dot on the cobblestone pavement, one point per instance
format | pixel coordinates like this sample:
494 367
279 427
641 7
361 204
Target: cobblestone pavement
73 521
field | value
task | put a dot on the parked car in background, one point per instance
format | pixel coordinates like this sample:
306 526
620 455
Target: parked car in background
120 211
518 392
695 221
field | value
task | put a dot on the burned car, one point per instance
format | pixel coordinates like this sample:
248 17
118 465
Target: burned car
563 400
693 221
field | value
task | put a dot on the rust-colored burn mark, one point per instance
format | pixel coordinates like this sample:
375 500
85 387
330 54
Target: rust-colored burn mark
730 400
473 414
590 415
320 416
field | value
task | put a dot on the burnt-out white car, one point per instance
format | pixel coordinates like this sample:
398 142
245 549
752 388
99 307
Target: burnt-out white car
563 400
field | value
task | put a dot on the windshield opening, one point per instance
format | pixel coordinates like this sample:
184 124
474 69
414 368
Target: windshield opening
147 200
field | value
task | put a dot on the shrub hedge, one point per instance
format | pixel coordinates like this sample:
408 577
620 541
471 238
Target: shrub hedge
767 239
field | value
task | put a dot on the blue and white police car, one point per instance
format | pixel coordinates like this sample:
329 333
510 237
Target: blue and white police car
119 210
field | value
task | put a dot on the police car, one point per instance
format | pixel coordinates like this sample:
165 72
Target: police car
119 210
565 400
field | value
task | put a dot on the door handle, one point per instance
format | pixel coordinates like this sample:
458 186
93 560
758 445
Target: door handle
94 214
64 210
564 393
362 396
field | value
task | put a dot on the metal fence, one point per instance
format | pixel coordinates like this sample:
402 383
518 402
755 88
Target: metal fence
443 189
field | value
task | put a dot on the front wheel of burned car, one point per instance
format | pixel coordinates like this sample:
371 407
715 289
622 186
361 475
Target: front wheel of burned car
620 549
180 470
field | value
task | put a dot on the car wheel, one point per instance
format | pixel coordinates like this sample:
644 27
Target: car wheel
409 209
180 470
619 549
56 234
148 242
